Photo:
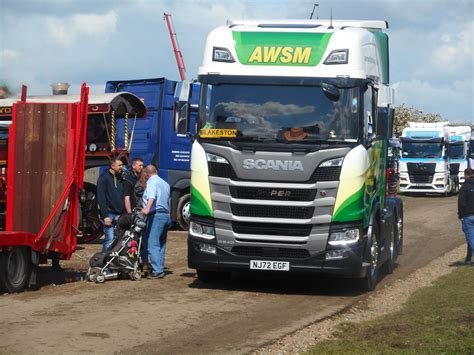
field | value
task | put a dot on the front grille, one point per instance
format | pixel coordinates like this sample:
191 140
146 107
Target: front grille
262 252
272 211
221 170
421 179
330 173
454 169
279 194
422 187
421 168
271 229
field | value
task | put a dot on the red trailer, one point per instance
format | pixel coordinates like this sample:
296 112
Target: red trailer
49 139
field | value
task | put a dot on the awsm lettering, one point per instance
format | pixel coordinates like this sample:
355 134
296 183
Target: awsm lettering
286 55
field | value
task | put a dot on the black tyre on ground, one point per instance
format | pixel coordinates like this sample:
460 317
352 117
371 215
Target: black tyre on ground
399 233
89 220
15 269
213 276
183 211
369 282
390 264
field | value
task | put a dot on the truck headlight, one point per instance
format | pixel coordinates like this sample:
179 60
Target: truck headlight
216 159
201 230
338 56
343 237
220 54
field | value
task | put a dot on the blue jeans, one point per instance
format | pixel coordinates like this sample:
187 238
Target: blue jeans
468 229
108 232
154 241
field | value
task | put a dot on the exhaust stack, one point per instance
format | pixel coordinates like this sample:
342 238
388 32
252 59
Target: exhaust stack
60 88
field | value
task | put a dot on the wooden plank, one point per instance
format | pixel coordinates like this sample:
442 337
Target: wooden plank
40 161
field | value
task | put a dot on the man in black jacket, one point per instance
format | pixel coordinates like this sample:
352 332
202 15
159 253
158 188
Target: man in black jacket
130 182
111 199
466 211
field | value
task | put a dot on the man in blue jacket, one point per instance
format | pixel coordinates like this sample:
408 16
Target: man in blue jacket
466 211
156 201
111 199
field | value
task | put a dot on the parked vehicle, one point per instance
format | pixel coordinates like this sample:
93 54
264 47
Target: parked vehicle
458 149
424 163
44 175
288 169
163 137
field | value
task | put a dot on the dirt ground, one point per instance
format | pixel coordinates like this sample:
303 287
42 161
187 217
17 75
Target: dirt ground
178 314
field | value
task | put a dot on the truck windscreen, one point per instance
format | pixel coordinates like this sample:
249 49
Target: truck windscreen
456 151
280 113
421 150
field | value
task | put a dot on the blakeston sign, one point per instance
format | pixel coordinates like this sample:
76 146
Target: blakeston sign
280 48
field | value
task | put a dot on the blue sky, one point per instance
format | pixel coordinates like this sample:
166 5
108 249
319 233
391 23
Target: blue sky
46 41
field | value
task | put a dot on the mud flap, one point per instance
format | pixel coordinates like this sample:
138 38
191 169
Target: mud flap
34 267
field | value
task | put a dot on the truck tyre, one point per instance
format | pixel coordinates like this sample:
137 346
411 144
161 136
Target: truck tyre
369 282
399 233
89 220
390 264
15 269
213 276
183 211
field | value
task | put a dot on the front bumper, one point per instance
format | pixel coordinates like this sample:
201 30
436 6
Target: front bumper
350 266
439 184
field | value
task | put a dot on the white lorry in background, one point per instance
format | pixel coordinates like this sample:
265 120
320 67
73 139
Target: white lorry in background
424 164
458 147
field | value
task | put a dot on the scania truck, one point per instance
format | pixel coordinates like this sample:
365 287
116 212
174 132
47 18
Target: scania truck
424 163
458 150
288 169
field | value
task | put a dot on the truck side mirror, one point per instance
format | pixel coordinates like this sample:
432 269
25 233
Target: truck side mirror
181 107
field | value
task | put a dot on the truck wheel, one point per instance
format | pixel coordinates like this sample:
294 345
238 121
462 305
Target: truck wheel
89 220
213 276
15 269
369 282
184 211
399 234
389 265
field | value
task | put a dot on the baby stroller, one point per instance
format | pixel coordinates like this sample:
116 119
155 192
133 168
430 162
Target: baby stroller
123 255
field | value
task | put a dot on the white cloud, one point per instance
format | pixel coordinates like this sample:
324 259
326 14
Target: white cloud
453 101
9 54
67 30
445 53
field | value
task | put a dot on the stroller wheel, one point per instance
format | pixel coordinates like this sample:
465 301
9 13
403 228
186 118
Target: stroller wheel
100 278
92 273
135 276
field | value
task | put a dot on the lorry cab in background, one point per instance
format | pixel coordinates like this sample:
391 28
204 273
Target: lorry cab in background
470 160
163 137
424 163
458 149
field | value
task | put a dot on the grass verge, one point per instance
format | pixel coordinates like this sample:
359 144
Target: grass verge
435 319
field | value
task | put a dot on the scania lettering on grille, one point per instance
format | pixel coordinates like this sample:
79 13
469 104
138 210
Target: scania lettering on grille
262 164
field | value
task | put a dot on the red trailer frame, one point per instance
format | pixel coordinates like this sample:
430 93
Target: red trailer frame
49 140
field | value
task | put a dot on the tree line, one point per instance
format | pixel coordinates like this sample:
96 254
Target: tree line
404 114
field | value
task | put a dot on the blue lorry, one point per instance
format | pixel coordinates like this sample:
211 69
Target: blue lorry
163 137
